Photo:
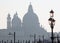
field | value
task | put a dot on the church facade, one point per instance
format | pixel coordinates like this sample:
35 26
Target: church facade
24 30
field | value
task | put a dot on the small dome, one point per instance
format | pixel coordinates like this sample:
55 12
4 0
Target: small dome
16 19
8 17
30 9
16 22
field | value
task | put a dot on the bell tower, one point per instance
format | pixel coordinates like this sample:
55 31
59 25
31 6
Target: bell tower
8 22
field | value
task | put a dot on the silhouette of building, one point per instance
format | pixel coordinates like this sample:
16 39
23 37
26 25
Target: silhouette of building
16 22
9 22
29 26
31 23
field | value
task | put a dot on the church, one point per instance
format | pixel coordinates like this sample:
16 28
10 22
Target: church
24 30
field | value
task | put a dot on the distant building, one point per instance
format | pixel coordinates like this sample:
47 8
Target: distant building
9 24
31 23
16 22
24 30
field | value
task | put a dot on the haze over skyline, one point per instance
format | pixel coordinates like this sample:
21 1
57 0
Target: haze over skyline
40 7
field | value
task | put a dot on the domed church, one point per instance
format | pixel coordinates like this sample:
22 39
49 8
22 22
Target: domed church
16 22
31 23
29 26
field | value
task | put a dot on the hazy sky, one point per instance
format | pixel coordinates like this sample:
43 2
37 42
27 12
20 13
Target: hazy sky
40 7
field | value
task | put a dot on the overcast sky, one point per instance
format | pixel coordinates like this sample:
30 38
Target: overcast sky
40 7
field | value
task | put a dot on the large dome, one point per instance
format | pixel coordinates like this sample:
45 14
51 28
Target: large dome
31 23
30 16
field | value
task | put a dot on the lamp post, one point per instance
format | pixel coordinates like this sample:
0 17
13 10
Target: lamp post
13 35
43 38
51 23
34 37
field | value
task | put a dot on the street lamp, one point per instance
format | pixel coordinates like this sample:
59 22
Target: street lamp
51 23
34 37
13 35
